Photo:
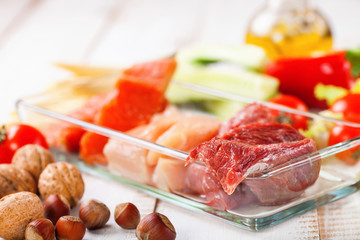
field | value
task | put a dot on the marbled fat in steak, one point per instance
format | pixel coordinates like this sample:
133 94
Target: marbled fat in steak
250 149
250 143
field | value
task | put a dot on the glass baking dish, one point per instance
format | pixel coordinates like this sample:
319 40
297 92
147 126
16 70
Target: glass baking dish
333 179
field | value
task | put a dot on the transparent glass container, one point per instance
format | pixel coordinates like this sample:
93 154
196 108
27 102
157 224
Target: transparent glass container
289 28
333 179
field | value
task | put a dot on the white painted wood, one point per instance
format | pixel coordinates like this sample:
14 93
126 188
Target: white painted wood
343 17
193 225
11 15
226 21
145 30
55 31
340 220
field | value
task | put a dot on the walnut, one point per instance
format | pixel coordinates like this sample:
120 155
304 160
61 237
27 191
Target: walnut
63 179
33 158
13 179
17 210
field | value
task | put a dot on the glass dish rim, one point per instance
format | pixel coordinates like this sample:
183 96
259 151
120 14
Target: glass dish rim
172 152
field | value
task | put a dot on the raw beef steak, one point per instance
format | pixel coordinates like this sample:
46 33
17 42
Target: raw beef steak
253 148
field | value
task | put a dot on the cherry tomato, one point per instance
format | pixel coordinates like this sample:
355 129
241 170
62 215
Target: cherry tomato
297 121
340 133
348 105
16 136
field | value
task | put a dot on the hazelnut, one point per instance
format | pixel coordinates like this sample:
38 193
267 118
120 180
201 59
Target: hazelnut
56 206
16 211
14 179
32 158
40 229
70 228
64 179
94 214
127 215
155 226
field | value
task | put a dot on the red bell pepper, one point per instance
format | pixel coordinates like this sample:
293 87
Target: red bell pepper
299 76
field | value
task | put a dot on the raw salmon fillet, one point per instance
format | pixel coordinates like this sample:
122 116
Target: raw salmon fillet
66 136
140 94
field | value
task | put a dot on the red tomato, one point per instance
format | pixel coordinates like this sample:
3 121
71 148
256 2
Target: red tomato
16 136
297 121
299 76
340 133
348 105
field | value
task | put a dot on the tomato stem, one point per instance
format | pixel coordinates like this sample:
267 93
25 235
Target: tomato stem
2 133
283 118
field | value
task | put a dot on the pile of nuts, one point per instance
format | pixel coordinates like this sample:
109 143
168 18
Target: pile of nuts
60 184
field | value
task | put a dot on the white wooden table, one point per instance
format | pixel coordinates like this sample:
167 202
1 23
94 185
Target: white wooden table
36 33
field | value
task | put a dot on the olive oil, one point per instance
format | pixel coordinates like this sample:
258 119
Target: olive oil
289 28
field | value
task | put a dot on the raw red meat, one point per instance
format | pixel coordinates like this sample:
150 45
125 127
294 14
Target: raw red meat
254 148
250 114
203 181
286 185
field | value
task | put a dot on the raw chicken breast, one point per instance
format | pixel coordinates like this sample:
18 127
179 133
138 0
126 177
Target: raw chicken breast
186 134
128 159
169 175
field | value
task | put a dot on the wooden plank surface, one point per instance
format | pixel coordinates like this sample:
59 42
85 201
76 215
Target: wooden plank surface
132 39
193 225
113 193
12 15
35 33
340 220
54 31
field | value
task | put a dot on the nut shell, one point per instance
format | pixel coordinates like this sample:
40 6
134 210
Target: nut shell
127 215
155 226
63 179
40 229
56 206
13 179
33 158
94 214
18 210
70 228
